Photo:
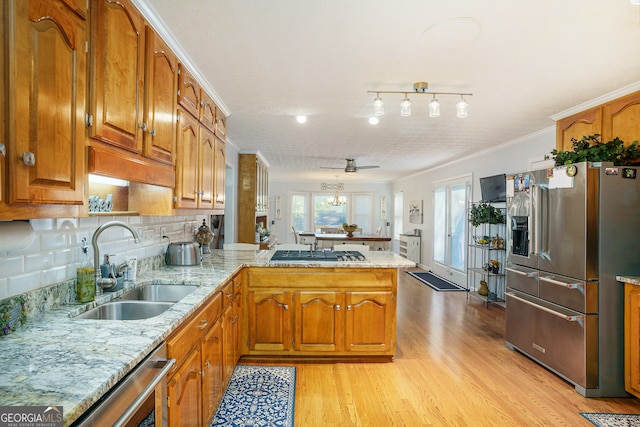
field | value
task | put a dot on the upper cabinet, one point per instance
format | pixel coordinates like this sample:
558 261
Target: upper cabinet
618 118
253 195
161 81
621 118
117 81
219 170
133 81
43 52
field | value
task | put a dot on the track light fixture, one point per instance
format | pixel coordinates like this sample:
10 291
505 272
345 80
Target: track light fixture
420 88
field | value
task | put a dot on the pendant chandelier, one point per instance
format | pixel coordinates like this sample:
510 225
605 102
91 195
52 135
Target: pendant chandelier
336 200
420 88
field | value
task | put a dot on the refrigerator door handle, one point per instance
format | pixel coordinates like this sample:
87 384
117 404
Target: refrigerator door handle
568 318
536 212
560 283
522 273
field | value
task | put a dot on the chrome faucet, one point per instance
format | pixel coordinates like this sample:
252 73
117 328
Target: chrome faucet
106 282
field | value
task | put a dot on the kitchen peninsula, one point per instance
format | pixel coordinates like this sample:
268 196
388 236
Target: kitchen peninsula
56 359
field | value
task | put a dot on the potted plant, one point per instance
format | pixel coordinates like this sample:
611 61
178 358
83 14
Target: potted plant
495 265
484 213
590 149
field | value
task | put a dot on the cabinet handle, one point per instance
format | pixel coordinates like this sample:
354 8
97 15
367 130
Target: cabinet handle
28 158
152 132
229 295
348 307
207 363
286 307
3 150
337 307
143 126
203 324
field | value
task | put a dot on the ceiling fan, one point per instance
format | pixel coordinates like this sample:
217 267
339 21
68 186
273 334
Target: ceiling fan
351 166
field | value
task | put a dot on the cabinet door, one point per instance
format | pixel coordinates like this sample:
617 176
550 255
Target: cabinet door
207 113
370 321
46 83
212 386
187 141
632 339
585 123
319 321
206 173
221 125
621 119
269 320
183 393
220 171
161 80
188 91
117 85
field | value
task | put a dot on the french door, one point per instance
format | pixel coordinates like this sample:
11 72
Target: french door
450 199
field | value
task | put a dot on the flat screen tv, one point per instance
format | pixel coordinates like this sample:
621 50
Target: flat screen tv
494 188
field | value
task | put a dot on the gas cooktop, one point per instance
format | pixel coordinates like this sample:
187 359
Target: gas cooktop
316 256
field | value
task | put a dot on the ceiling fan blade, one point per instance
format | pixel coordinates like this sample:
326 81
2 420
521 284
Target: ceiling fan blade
367 167
326 167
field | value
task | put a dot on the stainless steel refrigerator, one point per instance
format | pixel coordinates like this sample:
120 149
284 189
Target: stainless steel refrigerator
571 231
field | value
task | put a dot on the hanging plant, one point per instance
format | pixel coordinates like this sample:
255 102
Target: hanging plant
590 149
484 213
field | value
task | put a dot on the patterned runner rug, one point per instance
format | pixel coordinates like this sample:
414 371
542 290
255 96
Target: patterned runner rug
261 396
603 419
435 282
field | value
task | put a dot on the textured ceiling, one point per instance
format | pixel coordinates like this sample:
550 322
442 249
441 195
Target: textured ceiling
268 61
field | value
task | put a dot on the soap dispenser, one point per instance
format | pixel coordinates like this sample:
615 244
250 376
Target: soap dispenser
85 287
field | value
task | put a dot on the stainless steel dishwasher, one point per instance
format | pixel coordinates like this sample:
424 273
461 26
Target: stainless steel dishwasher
139 400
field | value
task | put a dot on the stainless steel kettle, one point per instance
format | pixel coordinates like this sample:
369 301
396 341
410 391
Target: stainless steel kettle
183 253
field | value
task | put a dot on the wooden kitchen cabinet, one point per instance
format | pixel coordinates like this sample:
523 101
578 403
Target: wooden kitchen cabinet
321 312
318 320
117 81
184 393
220 173
253 195
632 338
212 371
618 118
161 80
43 136
195 174
194 388
621 118
188 91
269 320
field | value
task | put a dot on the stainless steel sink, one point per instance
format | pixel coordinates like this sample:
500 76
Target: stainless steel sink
159 292
126 310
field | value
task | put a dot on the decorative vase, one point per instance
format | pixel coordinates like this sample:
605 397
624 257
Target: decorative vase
495 269
484 289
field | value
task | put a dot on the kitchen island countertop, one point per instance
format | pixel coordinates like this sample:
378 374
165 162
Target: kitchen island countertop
58 360
634 280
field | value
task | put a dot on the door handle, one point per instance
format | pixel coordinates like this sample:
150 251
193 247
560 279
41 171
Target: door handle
559 283
521 273
548 310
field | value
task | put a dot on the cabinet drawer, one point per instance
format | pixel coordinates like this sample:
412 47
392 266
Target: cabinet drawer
227 293
190 333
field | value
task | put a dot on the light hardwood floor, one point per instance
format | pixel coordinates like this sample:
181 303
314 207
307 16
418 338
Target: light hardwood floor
452 368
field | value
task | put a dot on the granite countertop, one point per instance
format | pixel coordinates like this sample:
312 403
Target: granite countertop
58 360
634 280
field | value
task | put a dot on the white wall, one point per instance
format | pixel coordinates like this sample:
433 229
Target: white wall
510 157
282 227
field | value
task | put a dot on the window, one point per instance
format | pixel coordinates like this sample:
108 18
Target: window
325 215
300 218
398 213
362 211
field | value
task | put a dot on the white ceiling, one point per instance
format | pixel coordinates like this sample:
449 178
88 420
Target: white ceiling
267 61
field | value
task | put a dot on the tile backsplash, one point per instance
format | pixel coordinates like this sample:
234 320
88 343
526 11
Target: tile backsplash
54 255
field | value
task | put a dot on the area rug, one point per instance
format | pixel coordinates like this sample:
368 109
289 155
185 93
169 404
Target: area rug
435 282
604 419
258 396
